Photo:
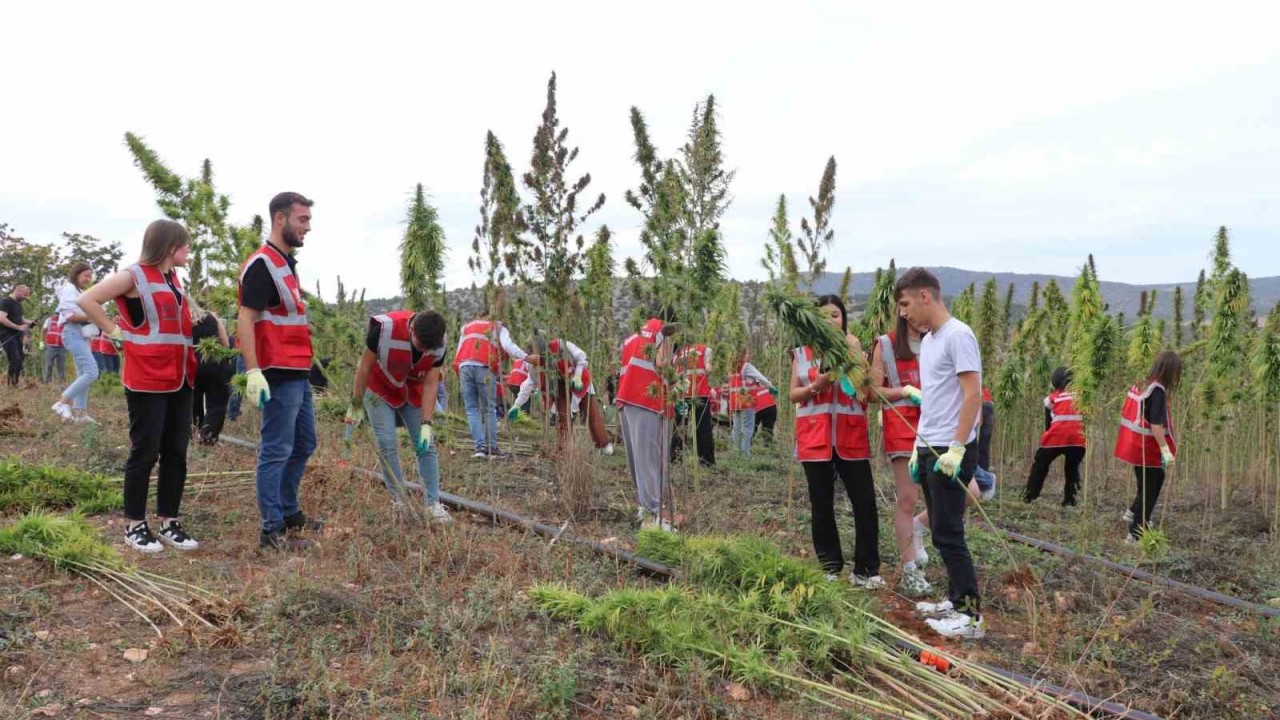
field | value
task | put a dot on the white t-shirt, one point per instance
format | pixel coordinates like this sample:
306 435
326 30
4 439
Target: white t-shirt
68 294
945 353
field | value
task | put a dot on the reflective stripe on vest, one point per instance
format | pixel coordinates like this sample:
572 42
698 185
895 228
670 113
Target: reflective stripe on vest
890 361
386 343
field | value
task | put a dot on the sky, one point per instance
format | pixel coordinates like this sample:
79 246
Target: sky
1001 136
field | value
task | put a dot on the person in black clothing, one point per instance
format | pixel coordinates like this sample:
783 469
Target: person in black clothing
1063 437
213 377
12 329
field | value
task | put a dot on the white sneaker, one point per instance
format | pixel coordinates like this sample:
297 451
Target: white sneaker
959 626
938 609
917 542
479 455
172 534
438 514
986 495
61 410
1127 517
913 582
667 527
140 538
875 582
831 578
607 449
1130 540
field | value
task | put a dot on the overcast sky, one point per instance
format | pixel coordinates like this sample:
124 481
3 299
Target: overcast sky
989 136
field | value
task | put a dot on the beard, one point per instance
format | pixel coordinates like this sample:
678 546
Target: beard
291 238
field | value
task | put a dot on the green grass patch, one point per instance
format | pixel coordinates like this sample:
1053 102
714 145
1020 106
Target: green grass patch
25 487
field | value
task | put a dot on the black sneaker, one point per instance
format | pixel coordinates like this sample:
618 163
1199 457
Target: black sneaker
139 538
172 534
283 541
300 521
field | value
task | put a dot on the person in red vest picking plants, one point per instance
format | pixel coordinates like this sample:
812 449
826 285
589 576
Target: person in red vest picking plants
566 376
946 451
515 380
275 342
743 383
1063 437
477 362
1146 437
832 439
398 376
55 353
646 412
694 364
766 411
154 326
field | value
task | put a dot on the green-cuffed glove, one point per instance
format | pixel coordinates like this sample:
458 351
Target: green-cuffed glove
1166 458
949 463
116 335
355 415
575 383
514 413
912 393
256 389
913 466
425 437
773 390
846 386
682 408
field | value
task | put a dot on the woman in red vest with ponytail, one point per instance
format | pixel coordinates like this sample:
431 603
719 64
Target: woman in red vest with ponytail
154 326
1063 435
1146 437
831 440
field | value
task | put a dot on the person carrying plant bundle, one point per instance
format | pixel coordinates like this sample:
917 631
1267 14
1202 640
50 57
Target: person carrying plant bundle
1063 437
154 326
766 412
1146 438
694 363
946 450
397 377
742 401
55 354
12 326
213 376
105 355
895 368
570 376
832 439
73 405
642 401
477 362
275 341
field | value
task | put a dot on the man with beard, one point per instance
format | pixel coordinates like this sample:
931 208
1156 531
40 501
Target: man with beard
275 342
12 327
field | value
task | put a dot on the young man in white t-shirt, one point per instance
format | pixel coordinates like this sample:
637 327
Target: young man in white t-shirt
946 445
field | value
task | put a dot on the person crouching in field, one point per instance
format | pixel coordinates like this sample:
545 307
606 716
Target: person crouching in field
1146 437
154 326
1063 436
565 374
398 376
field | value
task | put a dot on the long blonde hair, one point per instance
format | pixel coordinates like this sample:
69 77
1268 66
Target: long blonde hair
197 313
161 239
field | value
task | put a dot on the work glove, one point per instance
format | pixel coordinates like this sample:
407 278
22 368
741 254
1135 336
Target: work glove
256 389
913 466
1166 458
850 381
912 393
575 383
682 408
514 413
355 415
425 437
949 463
773 390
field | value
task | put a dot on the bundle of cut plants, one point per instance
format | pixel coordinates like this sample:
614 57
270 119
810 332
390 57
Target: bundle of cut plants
70 544
810 328
777 624
26 486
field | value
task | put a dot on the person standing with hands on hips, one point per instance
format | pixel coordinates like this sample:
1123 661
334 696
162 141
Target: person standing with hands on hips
275 341
951 395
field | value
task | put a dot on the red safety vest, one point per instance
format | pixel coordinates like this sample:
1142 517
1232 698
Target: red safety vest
639 384
565 369
1066 424
102 346
1136 444
478 344
52 332
396 377
899 428
829 421
692 361
158 354
281 335
742 391
764 398
519 373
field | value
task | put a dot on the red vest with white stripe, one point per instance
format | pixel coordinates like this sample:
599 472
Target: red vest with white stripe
638 381
281 335
396 377
692 361
477 344
829 421
1136 444
519 373
898 428
764 398
158 354
102 346
742 391
565 369
52 332
1066 424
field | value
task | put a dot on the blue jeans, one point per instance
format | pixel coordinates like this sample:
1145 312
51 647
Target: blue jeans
382 418
985 478
477 395
744 428
288 439
77 393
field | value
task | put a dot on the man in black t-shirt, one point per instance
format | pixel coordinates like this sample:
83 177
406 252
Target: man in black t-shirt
12 327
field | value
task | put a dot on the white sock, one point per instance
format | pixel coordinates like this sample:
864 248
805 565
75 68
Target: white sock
917 527
909 567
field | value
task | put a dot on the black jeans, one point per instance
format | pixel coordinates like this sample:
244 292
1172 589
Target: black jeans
944 498
700 411
14 355
209 402
159 427
985 431
1149 480
1040 470
766 419
858 484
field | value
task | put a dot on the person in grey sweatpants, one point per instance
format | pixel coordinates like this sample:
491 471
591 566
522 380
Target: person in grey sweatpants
641 427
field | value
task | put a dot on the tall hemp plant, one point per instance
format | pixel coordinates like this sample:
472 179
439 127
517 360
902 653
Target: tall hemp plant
422 255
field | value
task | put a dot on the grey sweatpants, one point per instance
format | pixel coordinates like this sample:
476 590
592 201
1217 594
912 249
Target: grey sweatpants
648 440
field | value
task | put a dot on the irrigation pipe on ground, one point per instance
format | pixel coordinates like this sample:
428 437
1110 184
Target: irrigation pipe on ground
499 516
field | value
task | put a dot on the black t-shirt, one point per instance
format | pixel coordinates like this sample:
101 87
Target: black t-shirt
13 309
133 305
258 292
1156 408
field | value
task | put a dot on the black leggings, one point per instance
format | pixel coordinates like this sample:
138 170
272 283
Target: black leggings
858 484
1040 470
1150 480
160 428
766 419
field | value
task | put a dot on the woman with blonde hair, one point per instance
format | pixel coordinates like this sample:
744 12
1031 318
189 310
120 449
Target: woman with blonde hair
154 326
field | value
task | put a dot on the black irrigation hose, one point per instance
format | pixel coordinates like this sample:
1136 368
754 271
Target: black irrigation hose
1079 700
1184 588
